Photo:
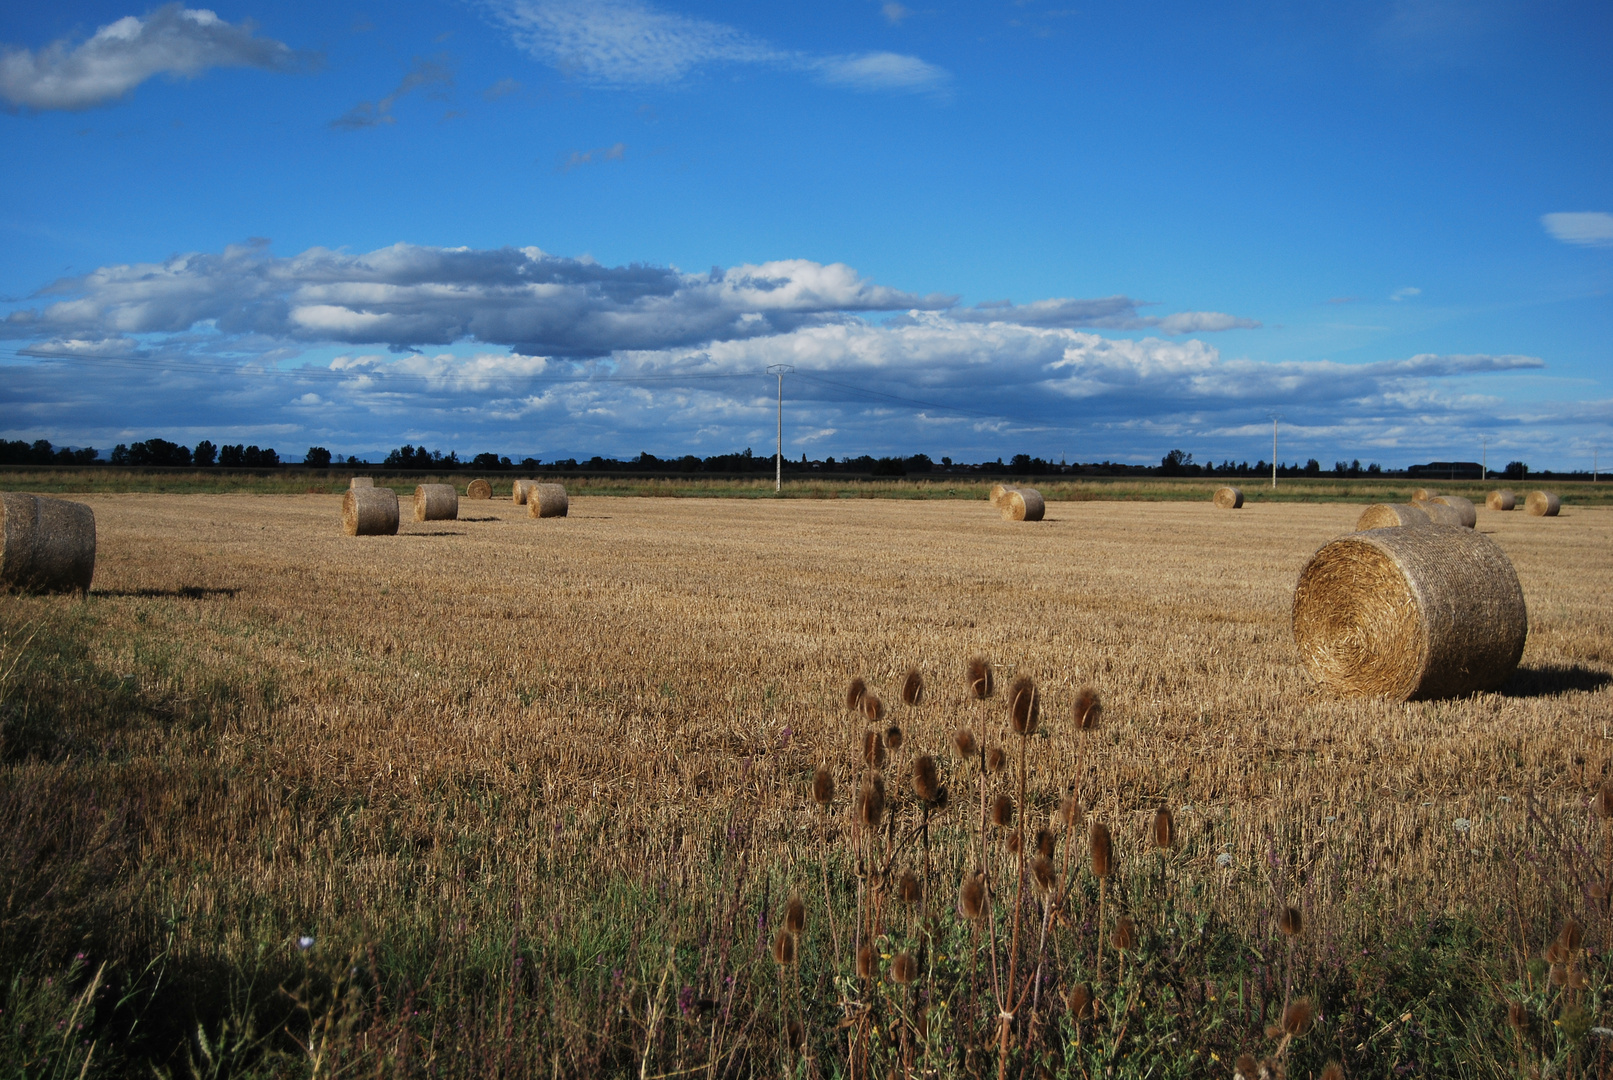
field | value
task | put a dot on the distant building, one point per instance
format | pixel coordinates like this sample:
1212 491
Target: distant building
1447 470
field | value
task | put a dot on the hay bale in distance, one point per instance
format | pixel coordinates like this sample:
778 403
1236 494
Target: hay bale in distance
46 545
1440 513
1463 507
521 489
1410 613
478 489
1390 515
436 502
360 482
1422 495
1023 504
370 512
547 500
1229 498
1501 499
999 494
1542 504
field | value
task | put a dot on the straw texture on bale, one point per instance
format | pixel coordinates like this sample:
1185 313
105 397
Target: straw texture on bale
999 493
1542 504
1410 613
370 512
1023 504
1390 515
1440 513
1229 498
478 489
1424 495
1501 500
361 482
46 545
547 500
436 502
1463 507
521 489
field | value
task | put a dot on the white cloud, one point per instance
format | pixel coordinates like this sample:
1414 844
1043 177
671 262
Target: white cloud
1108 313
1405 294
894 13
1588 228
1203 322
882 71
121 55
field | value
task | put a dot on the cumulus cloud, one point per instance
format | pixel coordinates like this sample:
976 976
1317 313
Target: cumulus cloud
174 39
1587 228
1109 313
632 43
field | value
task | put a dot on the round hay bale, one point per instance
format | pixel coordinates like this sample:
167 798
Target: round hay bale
478 489
520 490
1390 516
370 512
360 482
1410 614
1023 504
1422 495
1542 504
1501 499
46 545
1440 513
1464 507
1229 498
436 502
547 500
999 494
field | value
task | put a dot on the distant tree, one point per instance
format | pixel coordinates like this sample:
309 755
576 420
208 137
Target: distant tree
918 463
158 452
889 466
1175 463
317 457
1313 467
231 457
1020 465
254 458
204 454
689 463
489 463
946 462
1341 468
1516 470
120 454
1374 469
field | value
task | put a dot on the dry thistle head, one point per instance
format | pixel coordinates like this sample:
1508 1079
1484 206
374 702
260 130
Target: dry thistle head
1125 936
1290 922
794 916
908 888
972 897
855 692
977 675
1002 811
893 737
1603 803
1079 1000
873 749
1164 829
823 786
995 760
926 778
904 968
873 708
1571 936
963 744
784 949
1024 706
1103 851
1087 709
865 962
1044 843
1332 1071
1297 1018
1245 1068
871 803
1042 873
912 687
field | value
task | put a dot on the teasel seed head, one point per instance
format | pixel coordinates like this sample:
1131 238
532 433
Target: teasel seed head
1103 851
908 888
1571 936
1517 1015
784 949
926 778
854 694
1079 1000
1577 979
1070 812
1087 709
1044 843
1042 873
823 786
1297 1018
995 760
873 749
912 687
1245 1068
893 737
795 1033
1012 842
865 962
963 743
795 916
1125 936
1164 829
972 897
871 803
978 677
1002 811
1332 1071
1556 953
873 708
1603 803
1559 974
1024 706
904 968
1290 922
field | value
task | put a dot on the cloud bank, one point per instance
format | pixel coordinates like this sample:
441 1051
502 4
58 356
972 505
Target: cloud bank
1588 229
173 40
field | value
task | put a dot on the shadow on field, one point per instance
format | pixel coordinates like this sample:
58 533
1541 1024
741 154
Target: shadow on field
1551 679
439 532
481 519
186 592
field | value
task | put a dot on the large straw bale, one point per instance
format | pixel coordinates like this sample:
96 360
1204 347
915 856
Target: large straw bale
478 489
1229 498
547 500
1023 504
1501 499
361 482
1440 513
46 545
1542 504
1463 507
521 489
436 502
370 512
1410 613
999 494
1422 495
1390 515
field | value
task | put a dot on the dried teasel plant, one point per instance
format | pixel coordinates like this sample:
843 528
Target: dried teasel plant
1078 999
1070 813
1164 830
904 968
1102 849
795 916
1332 1071
871 803
972 897
1002 811
1125 935
1290 923
912 687
874 749
865 962
978 679
926 778
1571 936
963 744
1024 706
1245 1068
893 737
995 760
1088 709
1045 843
873 708
908 889
784 949
823 786
1043 875
1297 1018
854 694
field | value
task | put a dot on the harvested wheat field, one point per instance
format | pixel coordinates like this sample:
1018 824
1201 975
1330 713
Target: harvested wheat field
500 796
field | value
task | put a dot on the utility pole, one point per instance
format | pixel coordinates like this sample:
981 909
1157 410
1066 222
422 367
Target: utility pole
1484 463
1274 453
778 475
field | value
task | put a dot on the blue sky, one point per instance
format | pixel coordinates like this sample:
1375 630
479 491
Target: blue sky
561 228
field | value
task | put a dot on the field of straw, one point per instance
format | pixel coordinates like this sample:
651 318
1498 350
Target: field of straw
504 796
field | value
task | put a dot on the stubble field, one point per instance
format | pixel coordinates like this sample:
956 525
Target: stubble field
538 792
